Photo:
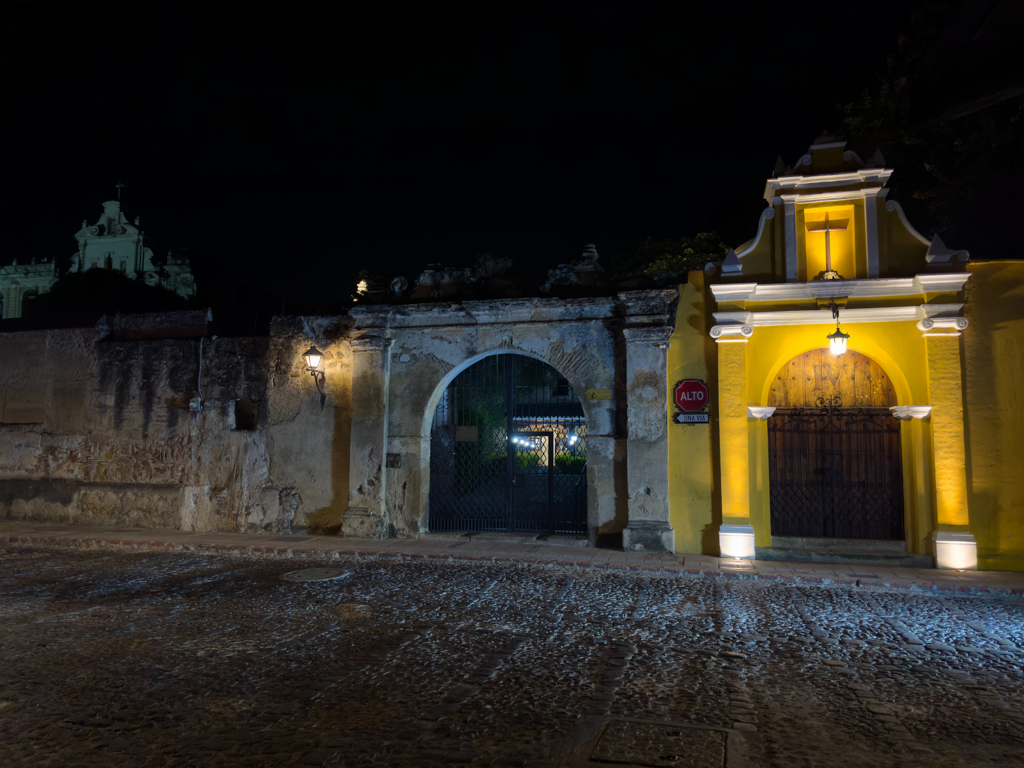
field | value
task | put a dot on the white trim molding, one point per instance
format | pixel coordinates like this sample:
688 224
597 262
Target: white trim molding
762 412
766 215
825 180
840 196
789 218
941 315
733 291
948 326
871 231
729 332
907 412
883 287
892 205
943 283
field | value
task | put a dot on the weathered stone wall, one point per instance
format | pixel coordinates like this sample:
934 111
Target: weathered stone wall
95 427
98 431
405 356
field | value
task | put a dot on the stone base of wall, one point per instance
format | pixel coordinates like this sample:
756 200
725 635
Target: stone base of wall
648 536
364 523
174 507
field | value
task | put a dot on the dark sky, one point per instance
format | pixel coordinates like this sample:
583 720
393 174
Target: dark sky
294 148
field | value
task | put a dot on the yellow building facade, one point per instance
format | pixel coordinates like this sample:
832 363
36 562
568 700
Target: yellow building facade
905 444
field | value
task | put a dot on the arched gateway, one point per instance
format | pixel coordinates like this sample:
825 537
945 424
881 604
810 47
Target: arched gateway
835 466
508 451
527 414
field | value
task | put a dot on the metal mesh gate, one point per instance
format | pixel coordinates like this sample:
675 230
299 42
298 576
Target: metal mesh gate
836 472
508 451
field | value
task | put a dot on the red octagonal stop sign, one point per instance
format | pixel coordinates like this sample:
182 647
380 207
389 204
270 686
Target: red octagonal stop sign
691 395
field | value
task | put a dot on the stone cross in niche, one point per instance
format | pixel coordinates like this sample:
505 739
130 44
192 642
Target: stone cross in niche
827 227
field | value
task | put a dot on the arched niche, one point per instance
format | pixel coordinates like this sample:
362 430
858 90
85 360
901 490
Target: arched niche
858 380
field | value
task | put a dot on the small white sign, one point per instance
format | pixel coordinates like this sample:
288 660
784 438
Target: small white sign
693 418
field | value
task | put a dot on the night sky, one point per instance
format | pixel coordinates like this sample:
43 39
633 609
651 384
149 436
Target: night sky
292 149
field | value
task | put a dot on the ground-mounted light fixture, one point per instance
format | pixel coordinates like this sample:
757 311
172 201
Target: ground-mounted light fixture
955 551
313 358
837 340
737 541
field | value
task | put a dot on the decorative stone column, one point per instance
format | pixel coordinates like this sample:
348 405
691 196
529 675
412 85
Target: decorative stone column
915 436
736 536
649 528
757 436
366 516
955 547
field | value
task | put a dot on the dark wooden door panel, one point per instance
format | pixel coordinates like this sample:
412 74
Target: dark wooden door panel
835 473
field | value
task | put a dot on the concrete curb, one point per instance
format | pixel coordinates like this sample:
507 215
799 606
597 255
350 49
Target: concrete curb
557 560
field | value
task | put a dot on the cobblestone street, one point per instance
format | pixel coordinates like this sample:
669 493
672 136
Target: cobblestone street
168 659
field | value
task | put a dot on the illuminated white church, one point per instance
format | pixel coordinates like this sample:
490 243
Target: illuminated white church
111 243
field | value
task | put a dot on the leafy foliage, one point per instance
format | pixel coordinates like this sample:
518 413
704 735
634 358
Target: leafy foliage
99 291
673 256
568 464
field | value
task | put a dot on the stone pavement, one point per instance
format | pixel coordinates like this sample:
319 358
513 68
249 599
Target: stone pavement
121 655
516 548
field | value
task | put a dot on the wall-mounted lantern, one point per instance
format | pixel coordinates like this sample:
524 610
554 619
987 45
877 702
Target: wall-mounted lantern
837 340
313 358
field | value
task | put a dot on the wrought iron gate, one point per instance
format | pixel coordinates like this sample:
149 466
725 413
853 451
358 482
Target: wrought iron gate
508 451
835 472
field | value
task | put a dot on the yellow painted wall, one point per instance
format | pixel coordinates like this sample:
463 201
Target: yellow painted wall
695 510
993 370
900 253
897 347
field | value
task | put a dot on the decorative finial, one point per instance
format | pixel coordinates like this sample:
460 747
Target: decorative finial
120 185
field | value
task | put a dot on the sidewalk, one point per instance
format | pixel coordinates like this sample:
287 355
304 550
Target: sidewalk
999 583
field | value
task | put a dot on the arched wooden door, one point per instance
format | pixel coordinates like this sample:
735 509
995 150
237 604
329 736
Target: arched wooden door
835 466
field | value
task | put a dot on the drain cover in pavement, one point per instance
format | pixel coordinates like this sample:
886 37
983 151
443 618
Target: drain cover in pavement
660 745
315 574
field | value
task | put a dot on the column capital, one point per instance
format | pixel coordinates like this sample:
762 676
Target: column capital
762 412
655 335
950 325
370 344
731 332
907 412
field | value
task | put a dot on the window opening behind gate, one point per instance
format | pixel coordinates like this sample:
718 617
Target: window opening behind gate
508 451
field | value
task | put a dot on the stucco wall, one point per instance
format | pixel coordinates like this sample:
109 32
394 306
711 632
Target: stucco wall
993 369
986 360
695 505
409 354
98 431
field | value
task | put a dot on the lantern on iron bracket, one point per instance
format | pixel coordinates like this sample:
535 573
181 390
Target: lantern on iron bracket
313 358
837 340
